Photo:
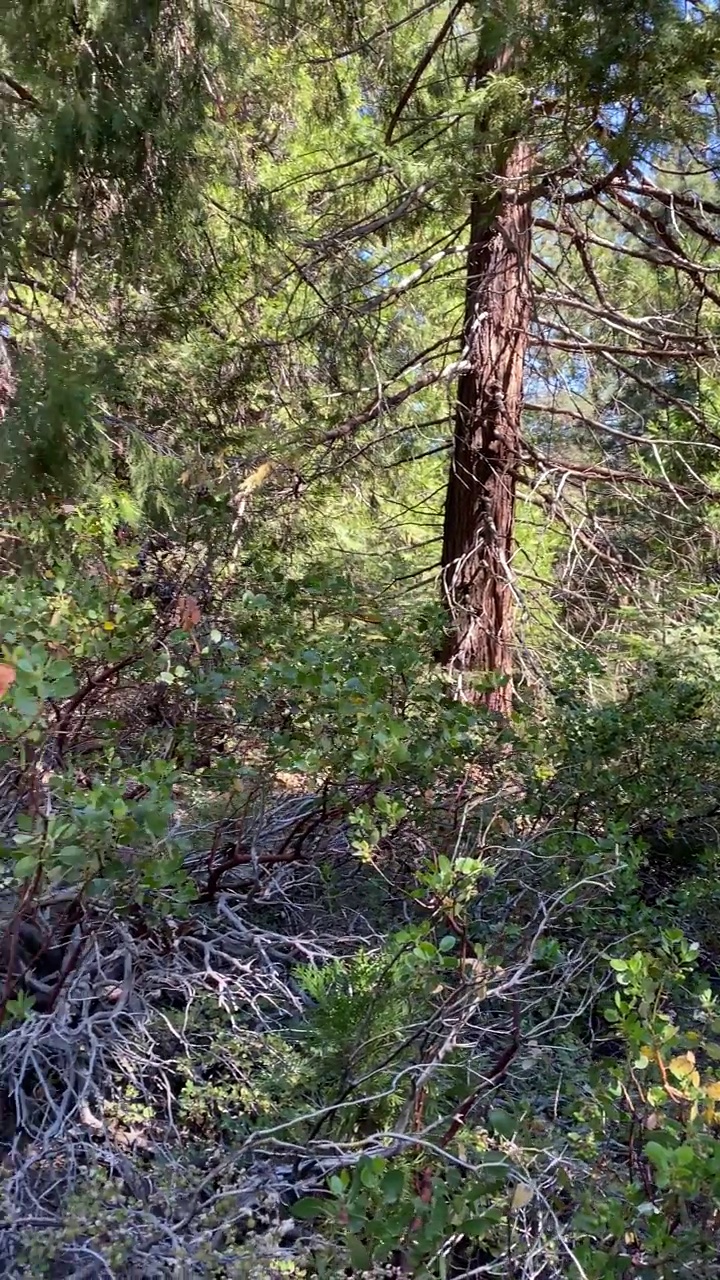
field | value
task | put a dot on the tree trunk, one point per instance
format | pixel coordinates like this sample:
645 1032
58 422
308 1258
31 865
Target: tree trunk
480 503
7 385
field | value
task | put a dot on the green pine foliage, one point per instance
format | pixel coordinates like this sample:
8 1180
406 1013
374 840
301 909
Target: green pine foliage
308 966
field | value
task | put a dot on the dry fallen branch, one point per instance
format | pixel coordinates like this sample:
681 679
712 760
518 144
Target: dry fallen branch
126 1019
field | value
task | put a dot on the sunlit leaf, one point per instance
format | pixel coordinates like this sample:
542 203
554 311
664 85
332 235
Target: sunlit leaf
683 1066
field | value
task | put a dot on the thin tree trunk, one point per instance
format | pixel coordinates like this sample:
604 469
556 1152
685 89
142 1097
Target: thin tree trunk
480 503
7 384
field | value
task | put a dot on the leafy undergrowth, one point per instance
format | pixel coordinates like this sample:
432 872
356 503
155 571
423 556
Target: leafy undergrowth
242 1092
310 970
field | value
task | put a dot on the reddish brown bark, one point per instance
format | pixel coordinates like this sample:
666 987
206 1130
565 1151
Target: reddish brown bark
480 503
7 385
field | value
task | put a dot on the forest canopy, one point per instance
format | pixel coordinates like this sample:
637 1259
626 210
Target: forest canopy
359 638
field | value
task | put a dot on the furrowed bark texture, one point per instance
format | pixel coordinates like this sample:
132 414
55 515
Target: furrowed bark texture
480 505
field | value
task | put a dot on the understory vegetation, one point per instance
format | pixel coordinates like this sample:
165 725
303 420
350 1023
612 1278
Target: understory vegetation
359 640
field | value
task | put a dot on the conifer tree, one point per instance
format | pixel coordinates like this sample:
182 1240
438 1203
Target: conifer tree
536 126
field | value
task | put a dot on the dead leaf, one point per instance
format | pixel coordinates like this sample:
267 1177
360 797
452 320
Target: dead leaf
713 1091
256 478
7 676
188 612
522 1196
